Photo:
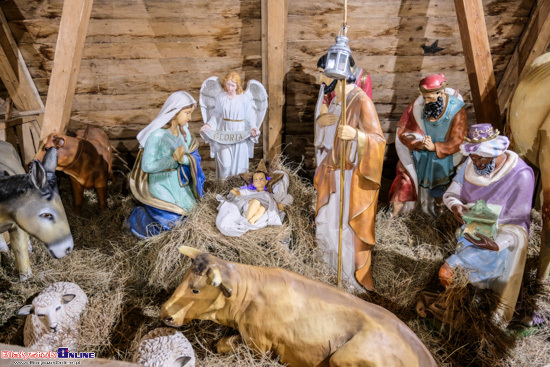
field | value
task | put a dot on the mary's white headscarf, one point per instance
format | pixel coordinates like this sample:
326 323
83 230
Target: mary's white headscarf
171 107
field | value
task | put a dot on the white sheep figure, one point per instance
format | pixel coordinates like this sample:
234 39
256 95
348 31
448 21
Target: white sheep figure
53 318
165 347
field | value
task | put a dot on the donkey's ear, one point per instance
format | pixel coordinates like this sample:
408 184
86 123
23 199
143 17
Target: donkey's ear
50 160
25 310
38 175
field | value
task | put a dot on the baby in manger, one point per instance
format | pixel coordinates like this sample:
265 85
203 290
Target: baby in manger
257 205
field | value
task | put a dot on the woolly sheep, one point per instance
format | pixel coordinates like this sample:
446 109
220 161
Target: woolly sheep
53 318
165 347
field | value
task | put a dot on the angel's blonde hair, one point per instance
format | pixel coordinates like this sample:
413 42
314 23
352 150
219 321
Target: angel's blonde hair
234 77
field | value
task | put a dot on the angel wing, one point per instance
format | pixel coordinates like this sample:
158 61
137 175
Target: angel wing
256 92
210 89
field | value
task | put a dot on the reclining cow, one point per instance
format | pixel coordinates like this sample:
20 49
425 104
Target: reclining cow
30 203
87 160
303 321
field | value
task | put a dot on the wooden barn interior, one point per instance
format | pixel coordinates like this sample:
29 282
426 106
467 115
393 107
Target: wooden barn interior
117 61
112 63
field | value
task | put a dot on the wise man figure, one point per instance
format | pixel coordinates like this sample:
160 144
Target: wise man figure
503 181
429 133
364 154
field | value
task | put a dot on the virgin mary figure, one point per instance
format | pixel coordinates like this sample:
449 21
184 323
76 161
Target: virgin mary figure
167 177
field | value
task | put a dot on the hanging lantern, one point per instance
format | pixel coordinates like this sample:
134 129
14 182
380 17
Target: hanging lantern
338 56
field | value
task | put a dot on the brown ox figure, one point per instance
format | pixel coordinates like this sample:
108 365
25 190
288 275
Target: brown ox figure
87 160
529 119
303 321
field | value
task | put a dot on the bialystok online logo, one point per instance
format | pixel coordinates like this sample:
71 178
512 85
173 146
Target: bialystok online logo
62 353
65 353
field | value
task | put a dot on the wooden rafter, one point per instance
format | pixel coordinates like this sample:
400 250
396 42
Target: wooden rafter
274 20
533 42
75 18
14 72
475 42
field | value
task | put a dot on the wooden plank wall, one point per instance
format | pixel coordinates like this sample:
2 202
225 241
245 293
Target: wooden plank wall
386 39
139 51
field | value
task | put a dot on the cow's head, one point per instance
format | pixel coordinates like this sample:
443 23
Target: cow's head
66 146
204 290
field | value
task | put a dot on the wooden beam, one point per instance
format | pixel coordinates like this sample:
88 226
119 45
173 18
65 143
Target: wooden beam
73 27
265 128
274 21
22 113
475 43
533 42
14 72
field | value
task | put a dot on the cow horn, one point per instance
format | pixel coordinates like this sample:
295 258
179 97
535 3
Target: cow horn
214 276
189 251
226 290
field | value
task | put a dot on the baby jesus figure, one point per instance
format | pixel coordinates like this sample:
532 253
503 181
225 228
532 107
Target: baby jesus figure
257 205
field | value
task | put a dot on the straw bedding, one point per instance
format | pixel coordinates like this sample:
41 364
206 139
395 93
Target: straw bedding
127 280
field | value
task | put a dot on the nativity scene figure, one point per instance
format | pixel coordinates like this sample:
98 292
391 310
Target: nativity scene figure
259 204
364 145
491 197
429 135
167 177
232 121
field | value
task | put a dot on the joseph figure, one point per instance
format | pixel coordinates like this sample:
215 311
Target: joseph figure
364 149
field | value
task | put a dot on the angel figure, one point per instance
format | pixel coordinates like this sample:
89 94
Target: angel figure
259 204
232 121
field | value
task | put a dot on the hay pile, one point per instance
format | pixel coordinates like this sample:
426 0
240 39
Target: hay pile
127 280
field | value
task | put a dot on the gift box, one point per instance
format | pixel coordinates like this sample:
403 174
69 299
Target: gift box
481 218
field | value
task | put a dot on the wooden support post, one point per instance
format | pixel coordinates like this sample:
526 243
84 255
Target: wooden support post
533 42
73 27
274 21
14 72
26 141
479 64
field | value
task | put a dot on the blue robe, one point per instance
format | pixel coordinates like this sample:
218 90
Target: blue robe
434 172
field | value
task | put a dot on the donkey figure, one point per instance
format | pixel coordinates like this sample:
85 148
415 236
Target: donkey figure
30 204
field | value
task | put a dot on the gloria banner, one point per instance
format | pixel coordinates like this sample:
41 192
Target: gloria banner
225 137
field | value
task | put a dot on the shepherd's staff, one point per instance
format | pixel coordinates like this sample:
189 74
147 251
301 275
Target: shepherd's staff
342 159
342 182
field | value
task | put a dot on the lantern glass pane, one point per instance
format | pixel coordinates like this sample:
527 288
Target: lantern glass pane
342 62
331 62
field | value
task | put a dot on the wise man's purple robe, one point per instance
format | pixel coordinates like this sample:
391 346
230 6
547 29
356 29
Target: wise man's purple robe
513 192
511 188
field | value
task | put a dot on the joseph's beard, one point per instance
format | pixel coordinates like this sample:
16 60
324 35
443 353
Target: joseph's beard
329 88
434 109
489 168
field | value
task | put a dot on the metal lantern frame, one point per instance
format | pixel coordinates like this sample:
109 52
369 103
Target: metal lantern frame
338 58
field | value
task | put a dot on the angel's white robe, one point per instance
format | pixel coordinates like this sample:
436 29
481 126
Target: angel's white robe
231 219
233 114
